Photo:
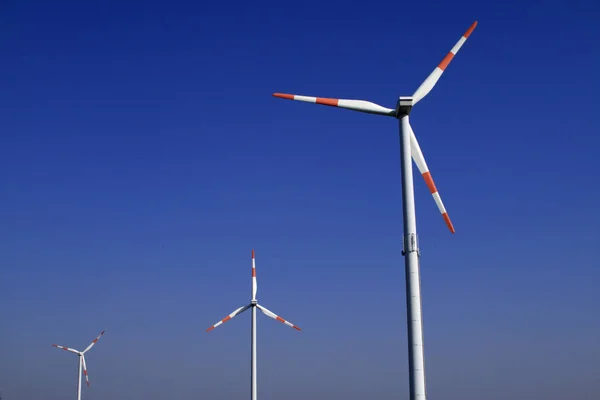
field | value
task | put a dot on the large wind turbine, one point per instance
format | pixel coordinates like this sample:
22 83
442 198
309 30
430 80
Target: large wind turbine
254 305
408 147
81 355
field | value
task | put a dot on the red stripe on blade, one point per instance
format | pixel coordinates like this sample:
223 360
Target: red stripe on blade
327 102
470 30
448 222
444 64
284 96
429 182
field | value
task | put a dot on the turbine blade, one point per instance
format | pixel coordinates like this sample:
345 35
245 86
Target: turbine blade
419 159
94 342
277 317
432 79
356 105
227 318
254 284
87 380
66 348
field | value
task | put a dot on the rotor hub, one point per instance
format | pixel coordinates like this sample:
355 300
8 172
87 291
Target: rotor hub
254 303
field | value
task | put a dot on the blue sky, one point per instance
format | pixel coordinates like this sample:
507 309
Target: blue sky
142 157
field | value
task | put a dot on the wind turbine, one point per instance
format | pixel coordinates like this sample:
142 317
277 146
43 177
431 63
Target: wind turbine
81 355
408 147
254 305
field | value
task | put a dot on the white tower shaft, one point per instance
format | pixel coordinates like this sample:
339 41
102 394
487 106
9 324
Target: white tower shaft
416 360
253 355
79 380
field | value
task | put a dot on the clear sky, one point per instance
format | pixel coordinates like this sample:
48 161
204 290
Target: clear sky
142 157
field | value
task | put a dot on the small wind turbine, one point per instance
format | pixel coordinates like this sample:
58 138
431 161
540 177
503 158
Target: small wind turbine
81 355
408 147
254 305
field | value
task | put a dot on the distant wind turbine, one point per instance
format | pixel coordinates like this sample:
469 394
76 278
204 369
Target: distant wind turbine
81 355
254 305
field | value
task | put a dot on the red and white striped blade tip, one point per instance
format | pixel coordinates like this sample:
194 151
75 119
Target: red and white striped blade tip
349 104
271 314
87 379
428 84
309 99
65 348
436 196
236 312
252 253
288 323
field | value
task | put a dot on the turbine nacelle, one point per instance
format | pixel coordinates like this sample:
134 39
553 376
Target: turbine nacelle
404 106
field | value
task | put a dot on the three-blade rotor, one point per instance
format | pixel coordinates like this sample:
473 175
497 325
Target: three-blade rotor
372 108
81 354
253 303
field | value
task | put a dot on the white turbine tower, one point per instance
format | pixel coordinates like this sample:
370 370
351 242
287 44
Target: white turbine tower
81 355
408 147
254 305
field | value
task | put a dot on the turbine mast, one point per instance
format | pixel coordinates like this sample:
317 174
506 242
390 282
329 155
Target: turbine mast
416 359
253 385
79 380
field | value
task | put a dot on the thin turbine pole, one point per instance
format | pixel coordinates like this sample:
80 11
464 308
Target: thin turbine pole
416 362
79 381
253 355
